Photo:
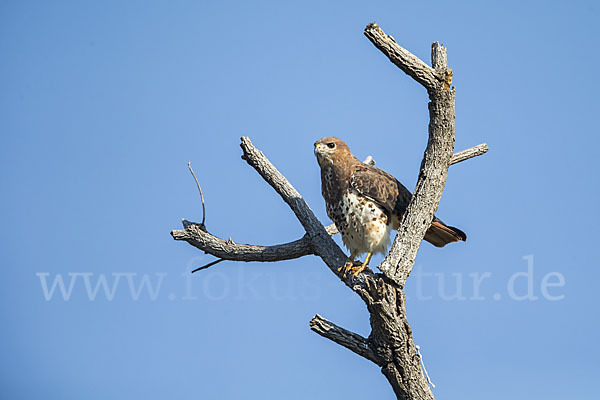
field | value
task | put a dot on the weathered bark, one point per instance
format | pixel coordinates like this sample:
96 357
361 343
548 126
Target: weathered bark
436 160
196 235
469 153
350 340
390 344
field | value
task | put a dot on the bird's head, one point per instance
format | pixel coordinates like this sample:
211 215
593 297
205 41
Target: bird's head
331 150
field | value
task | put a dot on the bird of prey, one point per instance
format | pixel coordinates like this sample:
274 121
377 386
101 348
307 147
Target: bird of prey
365 203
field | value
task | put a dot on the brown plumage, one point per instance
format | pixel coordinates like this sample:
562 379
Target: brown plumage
365 202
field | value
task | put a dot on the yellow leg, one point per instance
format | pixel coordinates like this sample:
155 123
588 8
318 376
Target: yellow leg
349 263
358 269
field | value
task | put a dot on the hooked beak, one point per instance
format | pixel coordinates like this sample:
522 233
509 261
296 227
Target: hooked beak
319 147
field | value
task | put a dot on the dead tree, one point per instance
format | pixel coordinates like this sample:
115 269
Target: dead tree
390 344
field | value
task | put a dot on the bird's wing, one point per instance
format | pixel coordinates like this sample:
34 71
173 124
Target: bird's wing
381 187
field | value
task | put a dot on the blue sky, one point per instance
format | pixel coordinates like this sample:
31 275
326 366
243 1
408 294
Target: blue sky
104 103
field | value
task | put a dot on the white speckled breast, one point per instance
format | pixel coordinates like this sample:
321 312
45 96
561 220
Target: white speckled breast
362 223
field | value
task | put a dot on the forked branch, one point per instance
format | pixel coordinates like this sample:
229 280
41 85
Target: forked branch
436 160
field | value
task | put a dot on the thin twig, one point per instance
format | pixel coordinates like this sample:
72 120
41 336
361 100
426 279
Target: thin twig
208 265
423 365
201 194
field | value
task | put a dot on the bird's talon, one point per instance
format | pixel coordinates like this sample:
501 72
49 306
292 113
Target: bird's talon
346 267
358 269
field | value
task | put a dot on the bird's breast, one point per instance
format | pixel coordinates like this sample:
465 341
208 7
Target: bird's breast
362 223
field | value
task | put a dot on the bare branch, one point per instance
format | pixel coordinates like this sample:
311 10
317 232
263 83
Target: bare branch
439 56
350 340
195 235
282 186
469 153
439 61
203 223
402 58
432 177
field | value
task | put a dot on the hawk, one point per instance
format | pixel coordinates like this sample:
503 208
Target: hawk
365 203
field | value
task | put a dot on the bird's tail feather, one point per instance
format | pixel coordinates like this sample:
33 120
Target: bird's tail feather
440 234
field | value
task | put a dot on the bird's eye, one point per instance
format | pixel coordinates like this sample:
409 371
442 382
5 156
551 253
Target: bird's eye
331 145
